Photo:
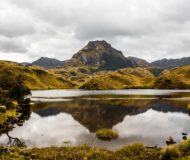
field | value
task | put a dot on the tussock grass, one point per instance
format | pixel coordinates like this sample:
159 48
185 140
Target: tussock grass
106 134
84 152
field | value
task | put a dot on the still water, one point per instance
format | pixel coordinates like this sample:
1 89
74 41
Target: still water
71 117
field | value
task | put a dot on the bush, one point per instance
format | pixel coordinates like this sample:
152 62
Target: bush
185 147
96 154
137 152
106 134
131 150
170 153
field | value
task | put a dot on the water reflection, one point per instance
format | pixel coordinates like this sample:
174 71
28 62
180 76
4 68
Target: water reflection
22 113
148 119
50 130
98 114
152 127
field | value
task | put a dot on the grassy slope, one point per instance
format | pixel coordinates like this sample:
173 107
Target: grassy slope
77 75
178 78
36 78
120 79
85 78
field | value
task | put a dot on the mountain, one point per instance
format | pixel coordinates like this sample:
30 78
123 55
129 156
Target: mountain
100 55
171 63
48 62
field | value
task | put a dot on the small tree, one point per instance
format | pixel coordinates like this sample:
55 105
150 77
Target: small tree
13 87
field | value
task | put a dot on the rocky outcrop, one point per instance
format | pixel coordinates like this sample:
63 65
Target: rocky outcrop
102 55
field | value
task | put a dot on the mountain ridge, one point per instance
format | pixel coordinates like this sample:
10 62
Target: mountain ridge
100 55
48 62
171 63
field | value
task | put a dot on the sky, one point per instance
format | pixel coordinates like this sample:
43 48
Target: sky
148 29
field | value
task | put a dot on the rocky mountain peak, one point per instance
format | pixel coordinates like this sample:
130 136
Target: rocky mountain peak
102 55
99 47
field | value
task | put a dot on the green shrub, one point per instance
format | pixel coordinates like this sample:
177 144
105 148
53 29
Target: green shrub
106 134
137 152
185 147
170 153
131 150
96 154
184 158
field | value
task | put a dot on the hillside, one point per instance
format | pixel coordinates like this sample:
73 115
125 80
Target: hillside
100 55
83 77
36 78
77 75
177 78
121 79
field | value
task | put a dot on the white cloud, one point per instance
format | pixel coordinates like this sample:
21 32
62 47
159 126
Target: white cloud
61 27
36 135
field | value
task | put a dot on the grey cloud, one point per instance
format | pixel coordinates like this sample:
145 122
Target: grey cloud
147 29
8 45
14 21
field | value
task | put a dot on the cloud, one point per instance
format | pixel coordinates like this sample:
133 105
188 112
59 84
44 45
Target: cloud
8 45
61 27
14 21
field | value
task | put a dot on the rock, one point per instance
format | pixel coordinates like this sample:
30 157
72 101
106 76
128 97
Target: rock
170 141
184 134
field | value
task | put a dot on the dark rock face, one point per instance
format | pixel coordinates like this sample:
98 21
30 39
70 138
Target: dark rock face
48 62
171 63
101 54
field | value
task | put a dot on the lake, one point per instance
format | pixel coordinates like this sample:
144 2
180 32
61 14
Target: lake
71 117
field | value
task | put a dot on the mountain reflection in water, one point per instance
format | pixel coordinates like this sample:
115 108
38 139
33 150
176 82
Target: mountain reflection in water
149 120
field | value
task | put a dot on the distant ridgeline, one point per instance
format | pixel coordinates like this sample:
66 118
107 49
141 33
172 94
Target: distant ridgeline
100 66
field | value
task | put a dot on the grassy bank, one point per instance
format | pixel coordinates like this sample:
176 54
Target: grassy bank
83 152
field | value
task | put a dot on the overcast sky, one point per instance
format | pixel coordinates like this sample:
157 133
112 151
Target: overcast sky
149 29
